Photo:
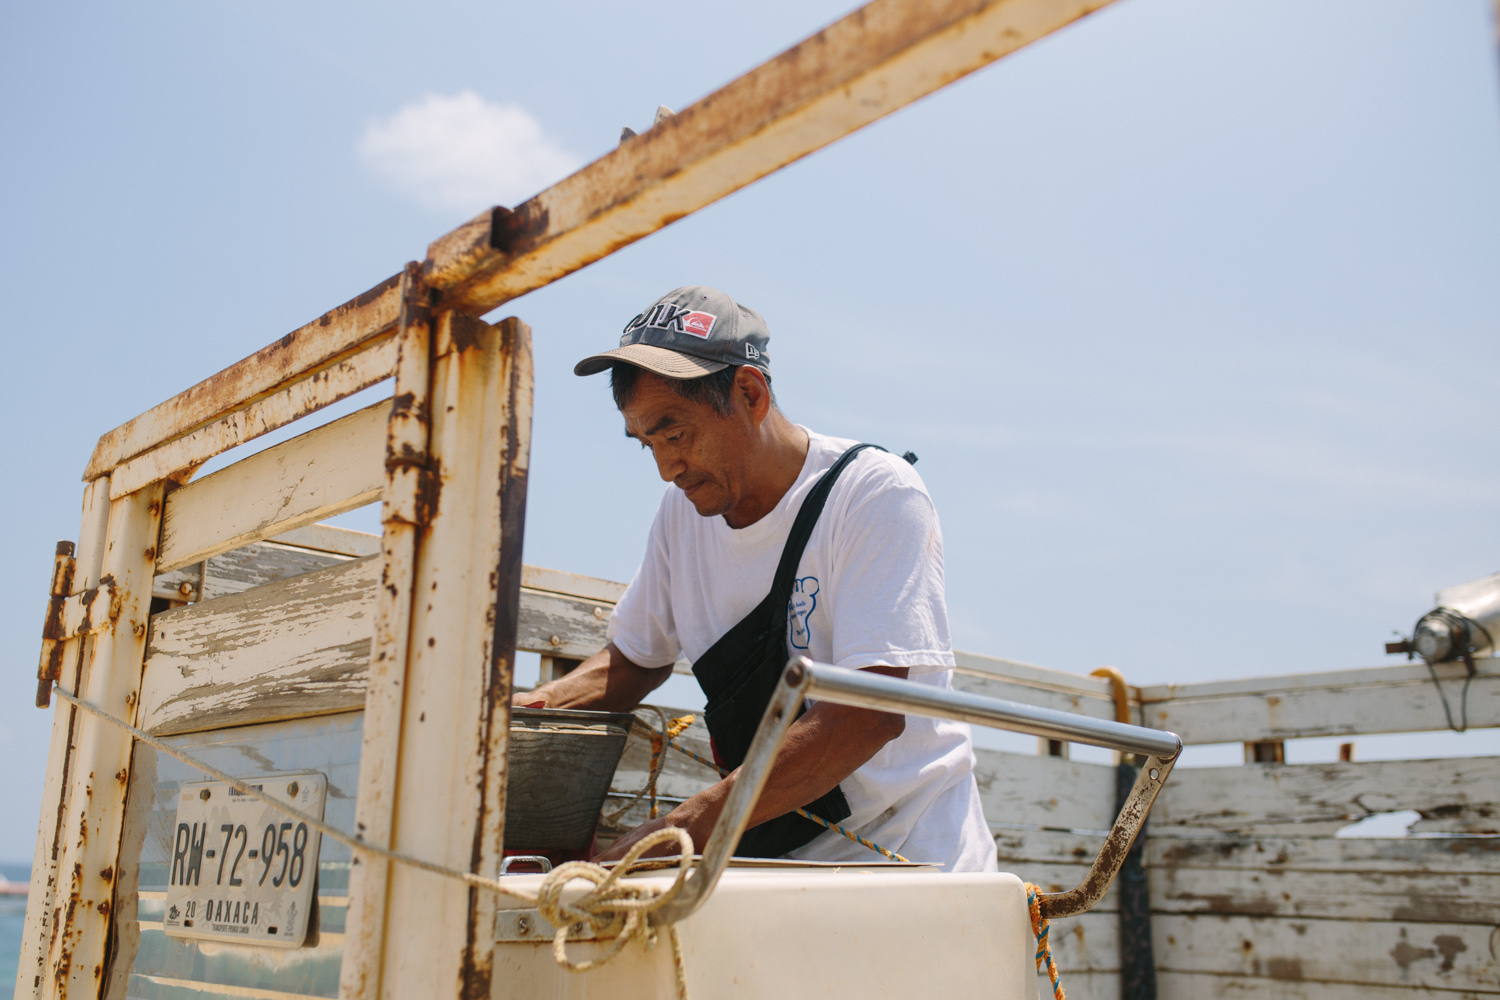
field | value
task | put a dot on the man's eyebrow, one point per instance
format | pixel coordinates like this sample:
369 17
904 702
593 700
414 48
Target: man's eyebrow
666 421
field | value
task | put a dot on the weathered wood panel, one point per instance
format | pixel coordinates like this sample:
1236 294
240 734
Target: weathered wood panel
574 584
560 625
238 570
330 469
1457 795
1466 898
1050 792
1437 855
327 538
1398 699
320 343
1368 952
1032 685
1016 847
1086 943
284 407
1198 986
293 648
1084 985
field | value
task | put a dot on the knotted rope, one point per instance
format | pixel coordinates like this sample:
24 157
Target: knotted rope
1043 949
610 908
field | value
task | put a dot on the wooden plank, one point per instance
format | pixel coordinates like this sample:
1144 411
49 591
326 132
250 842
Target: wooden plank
1017 847
1191 986
1396 699
360 371
327 538
330 469
1457 794
99 766
1084 985
273 650
41 900
1437 855
1028 694
304 351
240 569
1420 896
1366 952
560 625
294 648
1050 792
1086 943
876 60
573 584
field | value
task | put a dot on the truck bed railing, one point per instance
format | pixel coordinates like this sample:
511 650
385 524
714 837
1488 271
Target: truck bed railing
805 679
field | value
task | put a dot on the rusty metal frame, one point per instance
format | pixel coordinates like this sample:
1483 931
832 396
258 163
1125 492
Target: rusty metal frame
805 679
859 69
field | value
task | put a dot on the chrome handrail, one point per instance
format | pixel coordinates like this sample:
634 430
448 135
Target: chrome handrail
805 679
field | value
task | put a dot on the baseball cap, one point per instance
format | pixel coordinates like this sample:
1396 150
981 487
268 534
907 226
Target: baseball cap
688 333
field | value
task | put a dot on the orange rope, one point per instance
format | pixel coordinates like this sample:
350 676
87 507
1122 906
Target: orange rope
1043 950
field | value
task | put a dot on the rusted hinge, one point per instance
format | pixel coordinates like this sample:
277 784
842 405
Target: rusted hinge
69 616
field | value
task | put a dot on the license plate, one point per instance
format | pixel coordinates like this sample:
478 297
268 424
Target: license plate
242 870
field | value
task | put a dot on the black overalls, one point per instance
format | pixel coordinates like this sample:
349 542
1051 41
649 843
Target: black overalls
740 672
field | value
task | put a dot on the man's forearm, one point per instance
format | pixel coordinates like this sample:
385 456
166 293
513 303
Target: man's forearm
821 749
605 682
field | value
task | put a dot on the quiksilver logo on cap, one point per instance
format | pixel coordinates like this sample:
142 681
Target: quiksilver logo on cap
674 319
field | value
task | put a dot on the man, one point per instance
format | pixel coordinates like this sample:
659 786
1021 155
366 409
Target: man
775 541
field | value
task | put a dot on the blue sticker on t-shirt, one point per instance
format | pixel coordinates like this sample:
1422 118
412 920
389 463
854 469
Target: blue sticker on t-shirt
800 608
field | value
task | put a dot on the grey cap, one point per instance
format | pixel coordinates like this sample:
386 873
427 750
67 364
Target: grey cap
688 333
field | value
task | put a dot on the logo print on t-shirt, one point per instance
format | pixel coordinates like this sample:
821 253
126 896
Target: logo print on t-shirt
800 608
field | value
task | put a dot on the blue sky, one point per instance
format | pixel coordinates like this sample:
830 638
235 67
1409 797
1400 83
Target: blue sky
1189 310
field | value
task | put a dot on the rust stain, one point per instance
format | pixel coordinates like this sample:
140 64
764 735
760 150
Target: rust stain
1448 946
1404 954
1285 968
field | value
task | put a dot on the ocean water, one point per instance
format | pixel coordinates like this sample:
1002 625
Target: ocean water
12 916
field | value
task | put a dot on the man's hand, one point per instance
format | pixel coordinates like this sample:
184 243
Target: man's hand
605 682
821 749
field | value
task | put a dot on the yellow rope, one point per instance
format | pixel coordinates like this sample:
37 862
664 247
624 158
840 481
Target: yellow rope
675 729
610 908
1043 949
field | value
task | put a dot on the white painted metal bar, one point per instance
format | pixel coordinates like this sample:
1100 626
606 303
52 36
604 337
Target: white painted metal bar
179 457
323 342
875 61
864 689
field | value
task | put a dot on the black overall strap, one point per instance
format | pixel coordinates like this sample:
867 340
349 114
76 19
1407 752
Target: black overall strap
740 671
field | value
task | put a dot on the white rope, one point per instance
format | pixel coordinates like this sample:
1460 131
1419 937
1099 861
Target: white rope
611 909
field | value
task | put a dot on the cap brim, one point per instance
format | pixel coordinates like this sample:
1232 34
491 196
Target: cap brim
660 360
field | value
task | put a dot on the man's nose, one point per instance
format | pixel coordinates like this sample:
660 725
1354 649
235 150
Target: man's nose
668 464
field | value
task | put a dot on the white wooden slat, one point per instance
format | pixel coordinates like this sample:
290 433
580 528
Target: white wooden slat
292 648
330 469
1434 855
1017 848
1033 685
327 538
1196 986
1397 699
1392 896
1318 799
562 625
1086 943
1372 953
1084 985
1050 792
573 584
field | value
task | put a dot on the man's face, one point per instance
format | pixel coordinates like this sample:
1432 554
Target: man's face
700 452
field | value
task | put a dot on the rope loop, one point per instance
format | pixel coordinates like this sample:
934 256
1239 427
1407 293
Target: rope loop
613 909
1043 950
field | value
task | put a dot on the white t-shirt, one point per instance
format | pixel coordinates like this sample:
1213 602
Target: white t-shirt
869 592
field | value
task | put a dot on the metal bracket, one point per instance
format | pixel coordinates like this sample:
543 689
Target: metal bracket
70 616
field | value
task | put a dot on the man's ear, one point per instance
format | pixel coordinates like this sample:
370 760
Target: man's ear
750 383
